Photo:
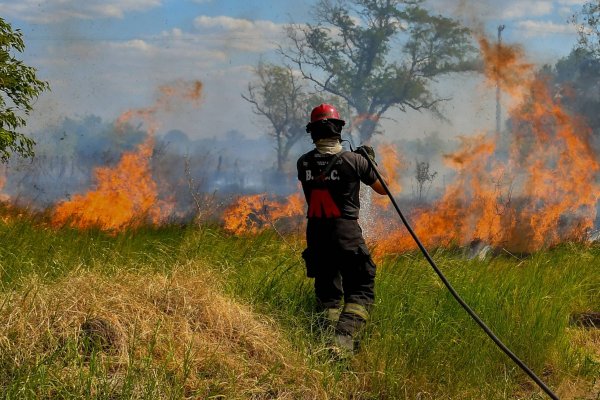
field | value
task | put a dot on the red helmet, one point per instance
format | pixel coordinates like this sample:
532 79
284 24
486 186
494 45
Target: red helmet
325 111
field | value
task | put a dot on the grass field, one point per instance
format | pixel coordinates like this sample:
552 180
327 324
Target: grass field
192 312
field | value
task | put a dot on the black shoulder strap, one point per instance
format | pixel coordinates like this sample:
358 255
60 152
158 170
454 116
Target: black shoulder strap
327 170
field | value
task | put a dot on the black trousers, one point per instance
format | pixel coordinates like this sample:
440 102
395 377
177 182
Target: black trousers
339 261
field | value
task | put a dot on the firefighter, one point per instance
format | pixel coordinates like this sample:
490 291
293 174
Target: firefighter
336 255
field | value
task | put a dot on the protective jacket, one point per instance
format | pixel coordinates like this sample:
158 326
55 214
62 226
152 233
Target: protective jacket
336 255
337 194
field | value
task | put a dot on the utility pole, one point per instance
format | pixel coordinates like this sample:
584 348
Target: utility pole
498 107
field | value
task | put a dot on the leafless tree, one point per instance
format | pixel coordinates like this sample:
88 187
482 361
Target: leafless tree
205 203
279 96
423 177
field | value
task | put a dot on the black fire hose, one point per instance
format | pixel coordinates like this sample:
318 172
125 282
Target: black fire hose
464 305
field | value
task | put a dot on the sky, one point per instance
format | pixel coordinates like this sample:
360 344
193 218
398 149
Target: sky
105 57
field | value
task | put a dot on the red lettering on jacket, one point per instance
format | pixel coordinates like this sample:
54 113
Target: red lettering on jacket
322 205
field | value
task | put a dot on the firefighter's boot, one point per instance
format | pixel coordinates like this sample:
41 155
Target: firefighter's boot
328 319
332 315
351 320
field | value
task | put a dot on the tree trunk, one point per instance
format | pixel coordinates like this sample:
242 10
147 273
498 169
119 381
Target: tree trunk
286 151
280 160
366 130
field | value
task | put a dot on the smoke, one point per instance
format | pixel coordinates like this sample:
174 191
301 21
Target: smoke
68 153
191 158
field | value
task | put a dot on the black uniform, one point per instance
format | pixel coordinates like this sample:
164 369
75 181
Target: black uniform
336 255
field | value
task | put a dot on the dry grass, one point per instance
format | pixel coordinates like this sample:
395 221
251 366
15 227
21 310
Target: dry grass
576 388
178 326
75 324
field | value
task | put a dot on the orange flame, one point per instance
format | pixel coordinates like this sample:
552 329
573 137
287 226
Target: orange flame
544 193
167 100
127 195
252 214
463 211
505 65
541 190
390 165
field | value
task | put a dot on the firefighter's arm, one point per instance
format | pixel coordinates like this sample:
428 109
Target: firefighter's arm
378 187
367 151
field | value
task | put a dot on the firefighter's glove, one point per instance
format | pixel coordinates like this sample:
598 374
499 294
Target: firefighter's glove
368 150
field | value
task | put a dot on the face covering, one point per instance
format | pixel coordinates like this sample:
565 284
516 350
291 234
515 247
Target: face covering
328 146
324 130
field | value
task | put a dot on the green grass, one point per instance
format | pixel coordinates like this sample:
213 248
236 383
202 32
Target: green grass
419 343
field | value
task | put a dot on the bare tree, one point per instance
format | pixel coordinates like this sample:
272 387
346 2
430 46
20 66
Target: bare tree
206 203
503 188
423 177
279 96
